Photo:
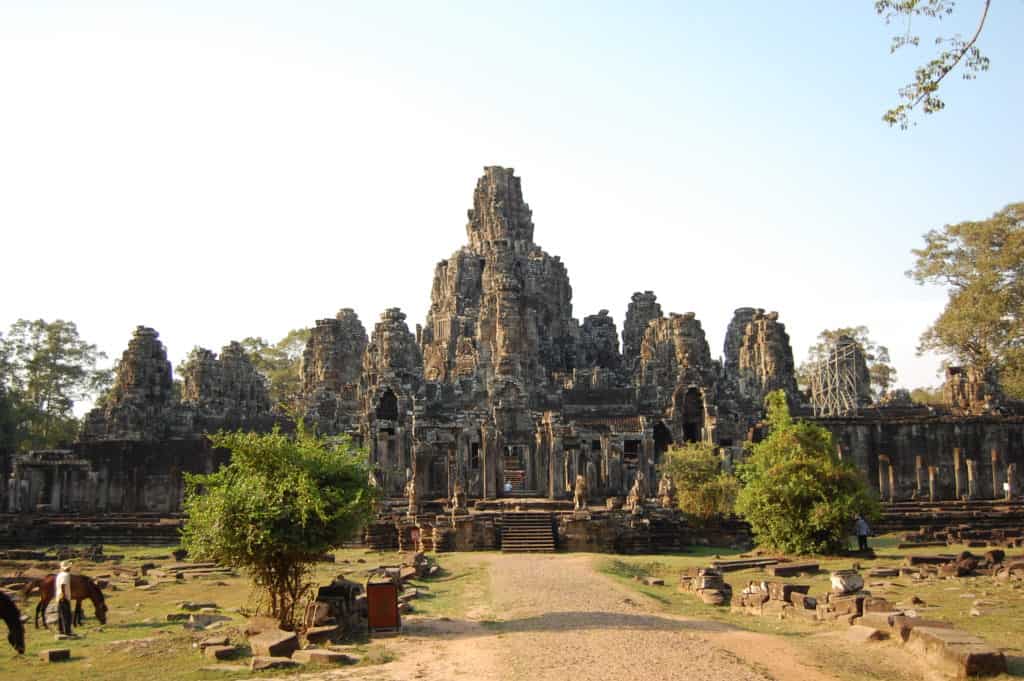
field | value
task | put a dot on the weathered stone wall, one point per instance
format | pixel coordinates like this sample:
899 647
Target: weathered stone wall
227 391
934 440
136 407
643 307
599 343
970 391
501 306
331 367
759 355
135 476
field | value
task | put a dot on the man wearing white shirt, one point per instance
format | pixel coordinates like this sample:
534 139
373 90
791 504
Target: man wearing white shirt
63 588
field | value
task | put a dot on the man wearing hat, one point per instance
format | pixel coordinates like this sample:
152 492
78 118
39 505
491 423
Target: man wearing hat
63 585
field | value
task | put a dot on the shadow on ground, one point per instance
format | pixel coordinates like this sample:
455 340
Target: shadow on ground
555 621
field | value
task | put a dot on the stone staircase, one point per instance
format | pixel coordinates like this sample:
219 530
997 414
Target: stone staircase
525 532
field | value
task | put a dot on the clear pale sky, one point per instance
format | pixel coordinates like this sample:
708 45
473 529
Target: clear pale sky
223 169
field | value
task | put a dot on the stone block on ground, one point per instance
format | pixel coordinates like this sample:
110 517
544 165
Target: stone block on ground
220 652
781 591
861 633
802 601
55 655
956 653
792 569
206 619
884 572
902 625
654 581
262 662
274 643
214 641
321 656
328 632
879 619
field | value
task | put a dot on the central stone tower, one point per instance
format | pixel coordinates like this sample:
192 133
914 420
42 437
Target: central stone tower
501 310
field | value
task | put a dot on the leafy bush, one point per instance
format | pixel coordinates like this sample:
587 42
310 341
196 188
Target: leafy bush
703 489
280 503
798 496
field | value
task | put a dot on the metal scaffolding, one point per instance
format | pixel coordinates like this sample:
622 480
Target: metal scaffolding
834 382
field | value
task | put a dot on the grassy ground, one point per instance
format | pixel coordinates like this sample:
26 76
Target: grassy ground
137 641
1001 623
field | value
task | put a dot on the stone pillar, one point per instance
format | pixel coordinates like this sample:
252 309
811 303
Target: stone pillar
995 473
558 481
957 493
931 483
839 452
1011 482
883 460
55 493
918 470
972 479
646 454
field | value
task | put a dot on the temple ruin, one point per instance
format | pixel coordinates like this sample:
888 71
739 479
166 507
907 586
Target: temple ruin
503 398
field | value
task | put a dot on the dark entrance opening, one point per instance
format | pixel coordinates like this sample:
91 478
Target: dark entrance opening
387 408
693 416
662 439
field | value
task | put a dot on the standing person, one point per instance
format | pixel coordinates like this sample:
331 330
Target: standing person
63 588
862 530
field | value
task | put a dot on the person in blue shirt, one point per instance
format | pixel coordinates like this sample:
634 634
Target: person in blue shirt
862 530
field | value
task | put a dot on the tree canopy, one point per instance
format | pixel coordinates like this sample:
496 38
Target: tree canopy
883 373
981 264
953 51
45 368
279 363
281 503
797 495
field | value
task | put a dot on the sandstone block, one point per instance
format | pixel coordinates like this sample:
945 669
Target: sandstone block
321 656
261 663
219 652
214 641
323 634
275 643
860 633
55 655
781 591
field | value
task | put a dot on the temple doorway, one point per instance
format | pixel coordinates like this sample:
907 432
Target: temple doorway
662 440
387 407
692 416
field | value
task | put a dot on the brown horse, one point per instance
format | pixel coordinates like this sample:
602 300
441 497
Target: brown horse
15 629
81 588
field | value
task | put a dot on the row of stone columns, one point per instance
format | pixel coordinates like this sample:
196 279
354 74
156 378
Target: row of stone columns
887 478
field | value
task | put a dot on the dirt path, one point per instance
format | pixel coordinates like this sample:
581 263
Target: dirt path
554 617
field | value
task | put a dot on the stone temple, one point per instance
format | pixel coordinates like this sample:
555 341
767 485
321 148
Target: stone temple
504 396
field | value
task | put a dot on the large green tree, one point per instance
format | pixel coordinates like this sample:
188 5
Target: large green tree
953 52
797 495
281 502
46 368
279 363
981 264
883 373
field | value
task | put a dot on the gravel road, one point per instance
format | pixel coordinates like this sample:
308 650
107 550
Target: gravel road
554 617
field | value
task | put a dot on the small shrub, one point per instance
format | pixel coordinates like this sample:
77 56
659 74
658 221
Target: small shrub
703 490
